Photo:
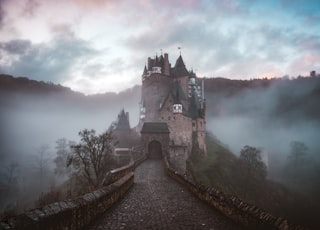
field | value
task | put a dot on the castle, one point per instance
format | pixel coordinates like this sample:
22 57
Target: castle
173 97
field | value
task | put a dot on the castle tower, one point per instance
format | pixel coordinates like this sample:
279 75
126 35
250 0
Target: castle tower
174 96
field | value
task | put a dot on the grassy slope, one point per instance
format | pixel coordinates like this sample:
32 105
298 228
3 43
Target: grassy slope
221 169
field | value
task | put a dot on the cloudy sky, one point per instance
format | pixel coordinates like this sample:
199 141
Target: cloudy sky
94 46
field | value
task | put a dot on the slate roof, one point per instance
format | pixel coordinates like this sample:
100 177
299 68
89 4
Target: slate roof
123 121
155 127
145 70
179 69
177 93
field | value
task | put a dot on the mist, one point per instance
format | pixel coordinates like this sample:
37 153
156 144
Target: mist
31 123
268 117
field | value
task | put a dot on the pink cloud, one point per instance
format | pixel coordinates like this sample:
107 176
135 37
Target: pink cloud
304 64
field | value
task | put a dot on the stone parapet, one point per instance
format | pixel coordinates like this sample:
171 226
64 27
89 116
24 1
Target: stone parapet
78 212
236 209
74 213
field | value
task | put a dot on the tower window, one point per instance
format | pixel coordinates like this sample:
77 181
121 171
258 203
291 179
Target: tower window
177 108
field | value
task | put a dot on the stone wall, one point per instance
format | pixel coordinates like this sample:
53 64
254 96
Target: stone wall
74 213
178 156
239 211
163 138
154 89
180 126
118 173
78 212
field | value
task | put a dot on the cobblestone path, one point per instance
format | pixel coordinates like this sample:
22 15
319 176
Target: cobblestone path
158 202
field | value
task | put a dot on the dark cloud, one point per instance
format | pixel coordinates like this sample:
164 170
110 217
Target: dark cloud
18 47
52 61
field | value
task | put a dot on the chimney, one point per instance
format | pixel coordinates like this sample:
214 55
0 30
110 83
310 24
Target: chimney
150 63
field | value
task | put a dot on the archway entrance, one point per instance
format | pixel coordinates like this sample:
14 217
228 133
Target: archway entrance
155 150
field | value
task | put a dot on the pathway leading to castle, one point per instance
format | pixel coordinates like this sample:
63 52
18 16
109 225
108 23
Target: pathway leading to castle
158 202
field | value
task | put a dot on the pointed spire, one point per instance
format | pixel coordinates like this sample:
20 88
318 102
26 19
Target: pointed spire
179 62
123 121
156 61
145 70
180 68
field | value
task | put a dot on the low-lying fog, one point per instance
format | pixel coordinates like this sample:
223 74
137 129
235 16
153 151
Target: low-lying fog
30 127
268 118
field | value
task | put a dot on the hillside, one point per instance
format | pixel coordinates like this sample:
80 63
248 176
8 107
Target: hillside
285 98
222 170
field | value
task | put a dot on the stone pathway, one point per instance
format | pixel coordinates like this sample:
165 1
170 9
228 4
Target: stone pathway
158 202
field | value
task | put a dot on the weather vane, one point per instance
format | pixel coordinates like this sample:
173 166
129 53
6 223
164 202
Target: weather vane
179 48
161 51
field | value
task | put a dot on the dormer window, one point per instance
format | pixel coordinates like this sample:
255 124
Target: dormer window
177 108
156 69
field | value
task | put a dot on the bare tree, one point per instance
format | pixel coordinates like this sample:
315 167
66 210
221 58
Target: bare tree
252 162
64 152
90 157
297 154
11 173
297 161
42 162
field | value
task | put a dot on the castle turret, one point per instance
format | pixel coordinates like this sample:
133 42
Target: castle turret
123 121
145 73
166 65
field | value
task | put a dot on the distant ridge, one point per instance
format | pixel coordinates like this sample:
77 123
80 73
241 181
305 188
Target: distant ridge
13 84
24 84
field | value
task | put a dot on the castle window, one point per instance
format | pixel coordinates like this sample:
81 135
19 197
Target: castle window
201 123
193 124
169 118
177 108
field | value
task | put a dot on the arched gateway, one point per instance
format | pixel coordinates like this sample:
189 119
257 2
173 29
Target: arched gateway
155 138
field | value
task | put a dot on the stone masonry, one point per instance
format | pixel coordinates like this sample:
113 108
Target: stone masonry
158 202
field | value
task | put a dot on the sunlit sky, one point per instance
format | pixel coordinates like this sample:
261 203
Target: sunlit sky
95 46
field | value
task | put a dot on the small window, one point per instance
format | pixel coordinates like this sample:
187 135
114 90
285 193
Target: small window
177 108
169 118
